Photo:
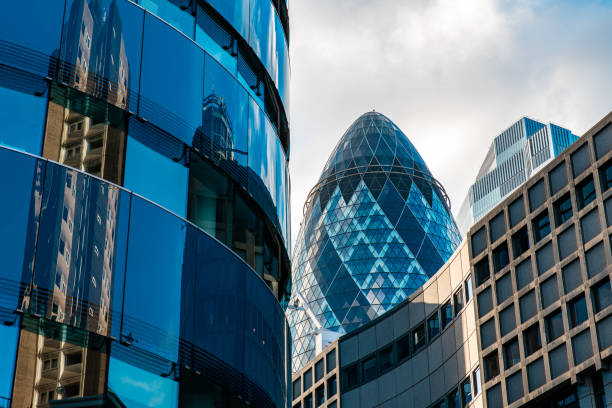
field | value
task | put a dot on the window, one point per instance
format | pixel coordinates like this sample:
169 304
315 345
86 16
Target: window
500 257
418 337
433 326
74 358
511 353
482 271
563 209
453 399
491 363
531 339
350 377
297 388
468 288
403 348
599 392
308 401
602 295
385 358
458 299
577 310
541 226
332 386
307 379
331 360
477 383
319 370
585 192
520 242
466 391
368 367
605 175
320 395
554 325
447 314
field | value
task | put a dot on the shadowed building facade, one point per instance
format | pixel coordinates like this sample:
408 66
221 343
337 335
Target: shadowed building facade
377 225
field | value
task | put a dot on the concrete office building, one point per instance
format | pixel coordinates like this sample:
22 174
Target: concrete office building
515 154
144 148
520 315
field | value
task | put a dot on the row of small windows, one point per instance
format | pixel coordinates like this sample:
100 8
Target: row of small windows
553 325
323 366
460 398
541 225
318 398
394 354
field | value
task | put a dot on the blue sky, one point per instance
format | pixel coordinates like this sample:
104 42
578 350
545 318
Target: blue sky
451 74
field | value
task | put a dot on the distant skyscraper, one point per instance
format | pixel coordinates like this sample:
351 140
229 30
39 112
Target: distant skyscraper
377 225
513 157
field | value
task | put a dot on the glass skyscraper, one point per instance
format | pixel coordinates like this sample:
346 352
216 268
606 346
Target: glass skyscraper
377 225
145 227
515 154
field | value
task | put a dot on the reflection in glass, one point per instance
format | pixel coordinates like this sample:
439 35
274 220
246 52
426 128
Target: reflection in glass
75 257
8 344
139 388
57 362
85 133
101 49
172 14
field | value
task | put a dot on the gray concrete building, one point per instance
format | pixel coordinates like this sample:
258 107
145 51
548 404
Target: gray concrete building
519 316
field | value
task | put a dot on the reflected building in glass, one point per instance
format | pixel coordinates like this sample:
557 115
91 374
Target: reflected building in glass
376 227
146 243
515 154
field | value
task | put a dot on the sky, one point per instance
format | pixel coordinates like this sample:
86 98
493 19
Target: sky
451 74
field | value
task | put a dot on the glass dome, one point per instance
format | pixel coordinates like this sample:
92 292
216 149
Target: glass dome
376 226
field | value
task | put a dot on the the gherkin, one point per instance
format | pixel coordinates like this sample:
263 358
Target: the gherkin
376 226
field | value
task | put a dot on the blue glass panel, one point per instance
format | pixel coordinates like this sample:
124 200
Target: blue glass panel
101 47
19 221
215 294
264 333
23 120
262 148
75 256
156 177
139 388
152 300
284 69
9 336
203 24
225 112
262 34
171 66
118 281
281 183
236 12
172 14
36 27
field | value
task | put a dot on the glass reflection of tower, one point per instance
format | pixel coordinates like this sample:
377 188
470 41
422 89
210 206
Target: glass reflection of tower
217 128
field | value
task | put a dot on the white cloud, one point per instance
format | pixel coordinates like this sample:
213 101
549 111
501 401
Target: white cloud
451 74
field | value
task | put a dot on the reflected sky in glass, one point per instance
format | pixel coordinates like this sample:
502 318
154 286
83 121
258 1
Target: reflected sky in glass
23 120
8 344
156 177
139 388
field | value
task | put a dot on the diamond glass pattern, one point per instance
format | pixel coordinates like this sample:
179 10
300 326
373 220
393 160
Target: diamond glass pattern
377 225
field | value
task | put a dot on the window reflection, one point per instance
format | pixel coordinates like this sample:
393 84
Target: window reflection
101 46
57 362
75 258
85 133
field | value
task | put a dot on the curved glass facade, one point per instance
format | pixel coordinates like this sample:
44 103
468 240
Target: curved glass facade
147 239
377 225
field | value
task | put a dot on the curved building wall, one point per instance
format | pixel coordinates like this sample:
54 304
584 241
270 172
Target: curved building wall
109 289
376 227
